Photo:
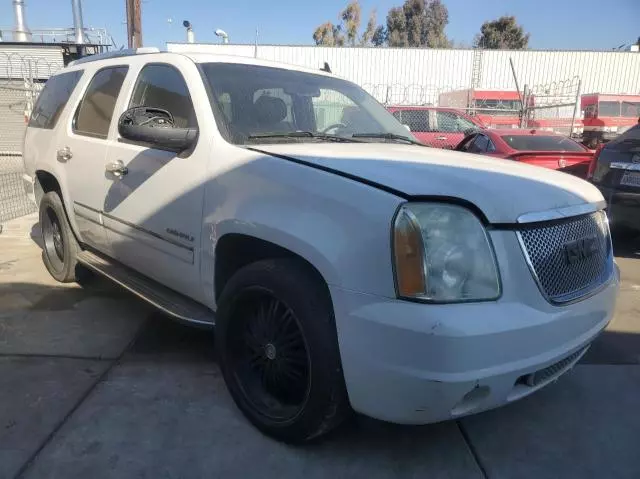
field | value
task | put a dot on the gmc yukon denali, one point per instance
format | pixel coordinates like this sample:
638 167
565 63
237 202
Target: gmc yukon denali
344 266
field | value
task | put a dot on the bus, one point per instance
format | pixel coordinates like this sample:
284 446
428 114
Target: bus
494 108
607 115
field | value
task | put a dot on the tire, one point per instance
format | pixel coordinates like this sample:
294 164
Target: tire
282 406
60 247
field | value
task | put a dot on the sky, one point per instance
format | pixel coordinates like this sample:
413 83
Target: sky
553 24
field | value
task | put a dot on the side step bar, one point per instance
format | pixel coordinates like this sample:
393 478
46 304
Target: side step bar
166 300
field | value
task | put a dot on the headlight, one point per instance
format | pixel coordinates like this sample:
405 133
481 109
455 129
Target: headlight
442 254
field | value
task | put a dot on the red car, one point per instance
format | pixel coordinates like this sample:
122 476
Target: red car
540 148
436 127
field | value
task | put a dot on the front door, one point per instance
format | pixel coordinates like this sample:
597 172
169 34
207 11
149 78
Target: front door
449 128
82 150
153 206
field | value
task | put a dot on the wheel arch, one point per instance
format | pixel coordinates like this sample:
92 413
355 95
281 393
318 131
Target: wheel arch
45 182
233 251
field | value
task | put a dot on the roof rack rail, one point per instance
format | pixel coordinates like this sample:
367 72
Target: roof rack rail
115 54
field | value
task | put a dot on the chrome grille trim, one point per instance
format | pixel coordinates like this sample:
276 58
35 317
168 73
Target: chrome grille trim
561 213
561 282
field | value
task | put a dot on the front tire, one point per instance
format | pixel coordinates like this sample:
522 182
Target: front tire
278 350
60 248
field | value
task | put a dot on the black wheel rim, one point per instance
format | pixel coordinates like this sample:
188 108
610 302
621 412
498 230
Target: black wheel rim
53 239
269 355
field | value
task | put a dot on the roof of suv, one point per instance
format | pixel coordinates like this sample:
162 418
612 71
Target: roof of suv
196 58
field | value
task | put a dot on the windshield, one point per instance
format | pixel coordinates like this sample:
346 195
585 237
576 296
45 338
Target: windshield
253 102
541 143
498 107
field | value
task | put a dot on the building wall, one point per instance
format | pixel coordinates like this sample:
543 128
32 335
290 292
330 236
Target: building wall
406 68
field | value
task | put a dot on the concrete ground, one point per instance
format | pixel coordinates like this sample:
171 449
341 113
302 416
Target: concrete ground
94 384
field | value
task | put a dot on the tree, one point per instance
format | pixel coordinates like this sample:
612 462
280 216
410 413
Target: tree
351 18
347 31
503 33
397 28
418 23
379 36
370 30
323 35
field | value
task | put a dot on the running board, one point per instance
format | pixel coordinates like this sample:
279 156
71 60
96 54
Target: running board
166 300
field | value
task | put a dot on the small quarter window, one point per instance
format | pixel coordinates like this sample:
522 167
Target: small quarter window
53 99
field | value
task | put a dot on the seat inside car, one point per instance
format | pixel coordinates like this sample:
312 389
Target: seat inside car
269 115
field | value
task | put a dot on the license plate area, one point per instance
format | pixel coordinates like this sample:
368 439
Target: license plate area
630 178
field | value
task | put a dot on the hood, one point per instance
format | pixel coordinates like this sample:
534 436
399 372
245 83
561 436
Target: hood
502 189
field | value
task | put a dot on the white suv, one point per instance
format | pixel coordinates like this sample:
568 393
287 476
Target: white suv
345 267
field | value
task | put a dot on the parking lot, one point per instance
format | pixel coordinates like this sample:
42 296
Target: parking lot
93 383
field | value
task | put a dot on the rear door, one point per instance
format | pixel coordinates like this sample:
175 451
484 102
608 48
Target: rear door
418 122
82 150
153 210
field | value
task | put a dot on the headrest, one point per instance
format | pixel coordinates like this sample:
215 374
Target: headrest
270 109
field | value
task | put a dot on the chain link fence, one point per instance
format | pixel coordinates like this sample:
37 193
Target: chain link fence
17 97
554 107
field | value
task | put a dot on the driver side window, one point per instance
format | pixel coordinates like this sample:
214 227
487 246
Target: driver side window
162 86
479 145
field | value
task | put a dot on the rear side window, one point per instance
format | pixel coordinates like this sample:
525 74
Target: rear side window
94 114
416 120
53 99
541 143
162 86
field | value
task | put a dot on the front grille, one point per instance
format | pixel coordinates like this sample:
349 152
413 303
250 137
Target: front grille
569 258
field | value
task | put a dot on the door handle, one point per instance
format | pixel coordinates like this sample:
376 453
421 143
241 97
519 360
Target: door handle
441 137
117 168
64 154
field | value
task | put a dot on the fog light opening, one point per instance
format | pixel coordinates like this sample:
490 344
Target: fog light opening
471 401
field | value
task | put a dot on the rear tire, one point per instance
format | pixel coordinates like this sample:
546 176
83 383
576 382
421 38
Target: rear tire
60 247
278 350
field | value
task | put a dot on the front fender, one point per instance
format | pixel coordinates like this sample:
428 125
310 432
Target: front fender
340 226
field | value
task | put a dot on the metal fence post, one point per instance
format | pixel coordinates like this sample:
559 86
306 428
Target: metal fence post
575 108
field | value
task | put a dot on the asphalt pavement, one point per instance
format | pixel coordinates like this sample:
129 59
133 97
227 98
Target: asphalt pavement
95 384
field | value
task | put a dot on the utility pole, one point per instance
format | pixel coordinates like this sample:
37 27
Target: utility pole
134 23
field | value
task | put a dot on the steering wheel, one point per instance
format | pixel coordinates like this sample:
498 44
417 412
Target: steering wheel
335 126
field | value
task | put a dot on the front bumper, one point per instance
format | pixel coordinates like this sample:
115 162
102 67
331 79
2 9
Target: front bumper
416 363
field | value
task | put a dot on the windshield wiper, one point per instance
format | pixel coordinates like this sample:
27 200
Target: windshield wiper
302 134
387 136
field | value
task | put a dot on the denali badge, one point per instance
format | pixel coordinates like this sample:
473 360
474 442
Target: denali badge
180 234
580 249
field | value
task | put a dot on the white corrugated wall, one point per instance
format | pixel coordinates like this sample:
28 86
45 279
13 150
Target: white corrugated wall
404 68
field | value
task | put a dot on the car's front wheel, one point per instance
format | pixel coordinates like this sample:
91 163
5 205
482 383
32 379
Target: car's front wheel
59 245
278 350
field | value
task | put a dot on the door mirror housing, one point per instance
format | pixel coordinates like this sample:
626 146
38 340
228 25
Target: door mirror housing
155 127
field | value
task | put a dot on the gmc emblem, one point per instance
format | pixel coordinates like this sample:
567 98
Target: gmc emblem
578 250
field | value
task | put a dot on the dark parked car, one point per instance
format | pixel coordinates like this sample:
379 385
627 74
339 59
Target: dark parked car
615 170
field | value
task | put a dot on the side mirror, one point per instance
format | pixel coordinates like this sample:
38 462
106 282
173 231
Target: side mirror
155 127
